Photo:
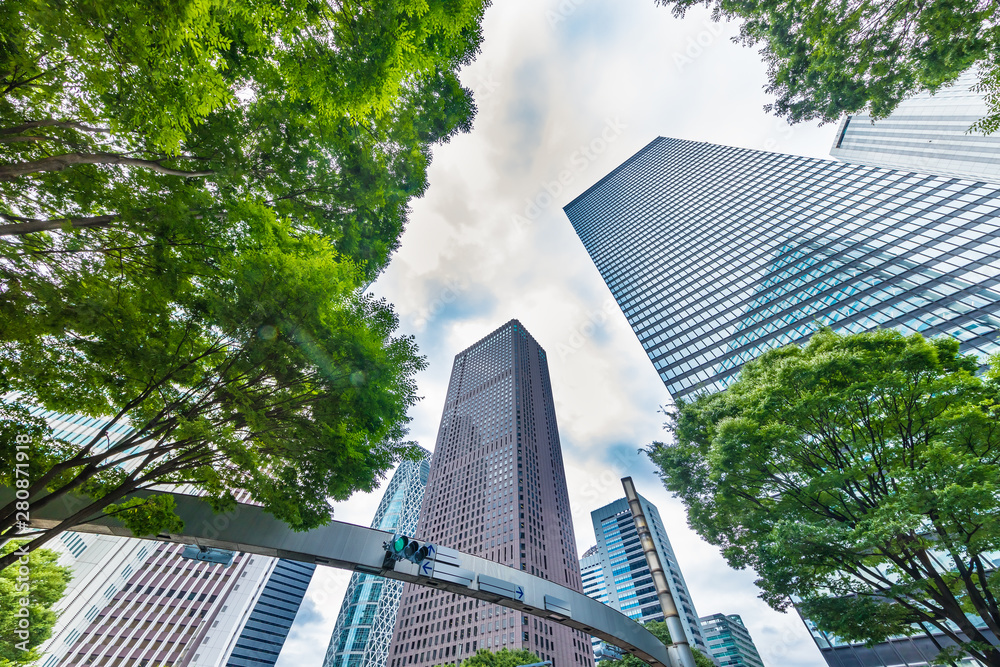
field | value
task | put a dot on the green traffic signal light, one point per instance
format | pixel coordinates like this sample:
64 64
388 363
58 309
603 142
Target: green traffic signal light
402 547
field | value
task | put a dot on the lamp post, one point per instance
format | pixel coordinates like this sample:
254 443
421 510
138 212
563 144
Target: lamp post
679 650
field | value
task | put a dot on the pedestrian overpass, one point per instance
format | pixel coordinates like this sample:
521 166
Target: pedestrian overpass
250 529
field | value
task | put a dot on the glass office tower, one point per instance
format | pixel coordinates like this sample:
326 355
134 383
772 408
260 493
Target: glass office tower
729 641
616 573
265 630
497 489
368 613
926 134
716 254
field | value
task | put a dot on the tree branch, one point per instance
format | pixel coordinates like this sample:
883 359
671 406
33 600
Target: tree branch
29 225
10 172
52 122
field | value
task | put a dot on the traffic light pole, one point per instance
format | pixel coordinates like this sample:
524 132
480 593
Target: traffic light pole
679 650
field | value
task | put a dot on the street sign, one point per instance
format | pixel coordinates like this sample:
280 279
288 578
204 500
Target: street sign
560 607
499 587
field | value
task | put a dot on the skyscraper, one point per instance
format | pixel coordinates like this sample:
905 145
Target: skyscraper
595 586
716 254
134 600
496 489
729 641
368 613
925 134
265 630
171 610
101 564
616 572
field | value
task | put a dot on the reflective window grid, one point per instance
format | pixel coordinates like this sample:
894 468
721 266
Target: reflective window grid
716 254
615 572
729 641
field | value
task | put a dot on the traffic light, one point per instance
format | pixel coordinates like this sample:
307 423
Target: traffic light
401 547
415 552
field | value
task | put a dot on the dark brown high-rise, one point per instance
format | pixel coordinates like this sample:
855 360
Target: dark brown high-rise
497 489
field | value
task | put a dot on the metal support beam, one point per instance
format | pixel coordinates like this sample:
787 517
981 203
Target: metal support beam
250 529
680 650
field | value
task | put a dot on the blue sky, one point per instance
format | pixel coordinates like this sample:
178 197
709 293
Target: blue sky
567 90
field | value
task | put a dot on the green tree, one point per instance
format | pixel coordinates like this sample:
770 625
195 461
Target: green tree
115 111
273 376
196 193
826 58
502 658
44 588
165 120
660 631
857 475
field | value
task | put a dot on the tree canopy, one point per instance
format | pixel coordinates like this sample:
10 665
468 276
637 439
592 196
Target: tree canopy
195 196
858 477
174 115
660 631
826 58
502 658
272 376
42 587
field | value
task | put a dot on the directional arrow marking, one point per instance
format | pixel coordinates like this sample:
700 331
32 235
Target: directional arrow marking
520 593
426 568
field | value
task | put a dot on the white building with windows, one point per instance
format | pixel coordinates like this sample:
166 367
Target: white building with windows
615 572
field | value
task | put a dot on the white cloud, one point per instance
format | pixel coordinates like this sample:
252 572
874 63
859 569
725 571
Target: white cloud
489 242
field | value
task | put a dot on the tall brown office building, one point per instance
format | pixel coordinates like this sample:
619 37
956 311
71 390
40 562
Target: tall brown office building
497 489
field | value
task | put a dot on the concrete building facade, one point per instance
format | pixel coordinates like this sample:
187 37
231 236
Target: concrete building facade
139 603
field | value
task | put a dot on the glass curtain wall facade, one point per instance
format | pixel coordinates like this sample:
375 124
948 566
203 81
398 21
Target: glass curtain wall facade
716 254
729 641
265 631
617 574
367 615
497 489
101 564
926 134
